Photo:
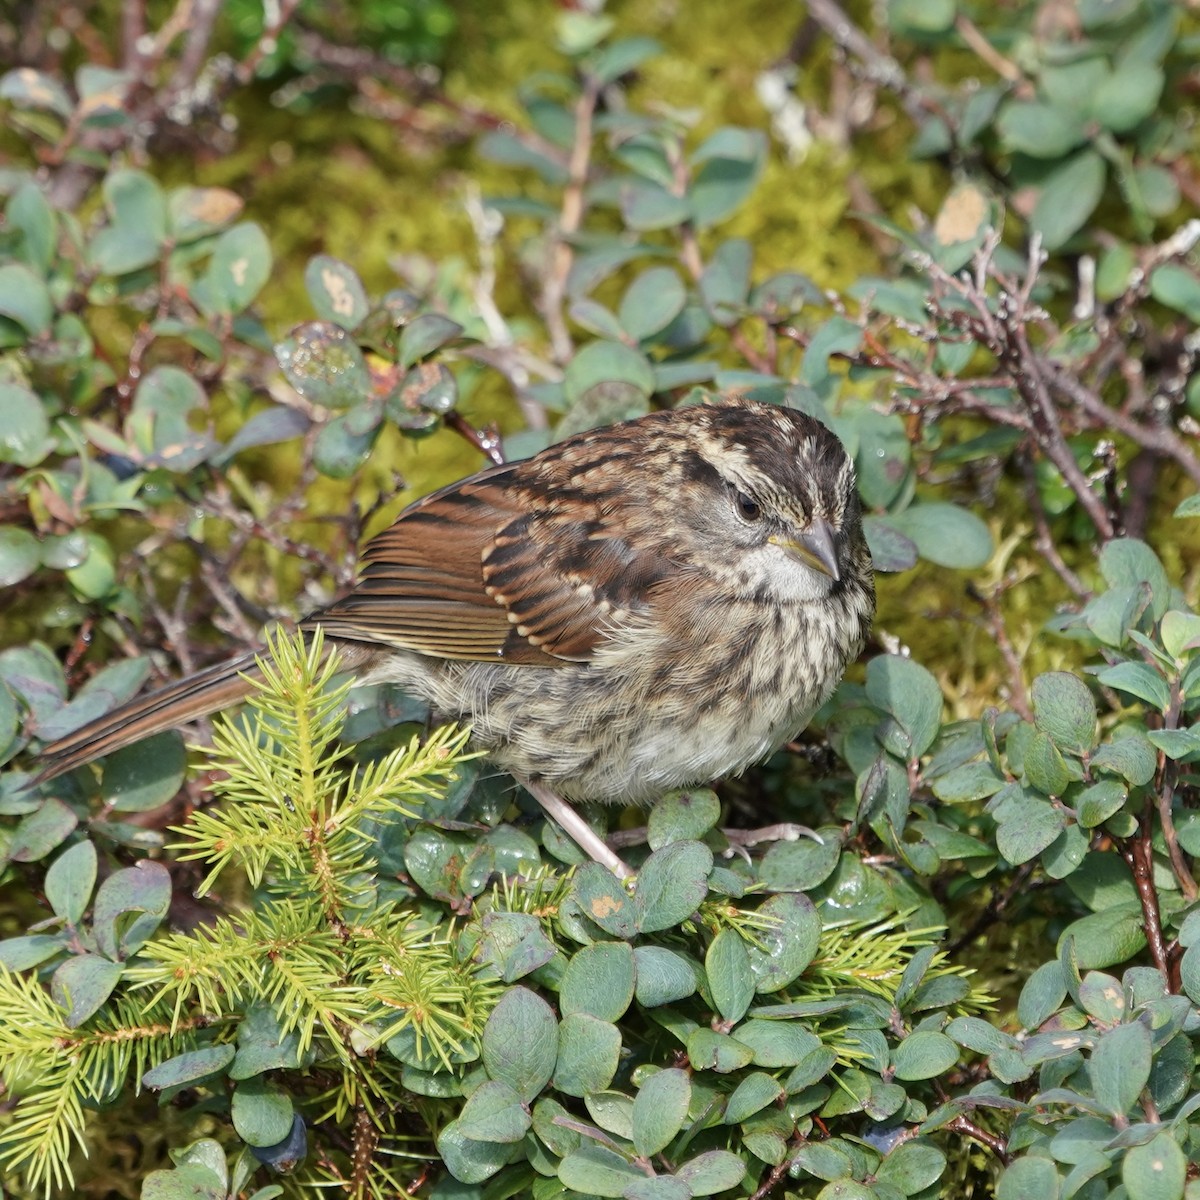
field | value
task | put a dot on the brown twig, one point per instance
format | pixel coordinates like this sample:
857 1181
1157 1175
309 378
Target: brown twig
996 1145
1043 539
486 441
996 624
1137 851
570 217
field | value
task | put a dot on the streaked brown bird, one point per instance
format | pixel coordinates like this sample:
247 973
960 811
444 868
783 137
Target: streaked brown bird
638 608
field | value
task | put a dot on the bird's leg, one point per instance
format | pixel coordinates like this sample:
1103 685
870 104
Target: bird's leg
577 829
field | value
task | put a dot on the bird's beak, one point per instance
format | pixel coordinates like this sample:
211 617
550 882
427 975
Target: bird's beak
814 548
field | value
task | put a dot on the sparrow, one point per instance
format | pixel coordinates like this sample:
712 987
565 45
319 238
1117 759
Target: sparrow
637 608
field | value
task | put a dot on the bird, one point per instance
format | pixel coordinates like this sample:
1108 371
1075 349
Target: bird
651 605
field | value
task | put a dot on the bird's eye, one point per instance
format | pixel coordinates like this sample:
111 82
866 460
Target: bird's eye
747 506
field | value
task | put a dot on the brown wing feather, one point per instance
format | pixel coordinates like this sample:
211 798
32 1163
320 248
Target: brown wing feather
517 564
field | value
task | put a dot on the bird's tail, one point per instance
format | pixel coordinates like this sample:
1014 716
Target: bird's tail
185 700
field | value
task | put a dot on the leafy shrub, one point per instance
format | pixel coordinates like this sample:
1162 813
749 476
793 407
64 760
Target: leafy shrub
395 955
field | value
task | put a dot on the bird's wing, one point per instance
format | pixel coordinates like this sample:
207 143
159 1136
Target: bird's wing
518 564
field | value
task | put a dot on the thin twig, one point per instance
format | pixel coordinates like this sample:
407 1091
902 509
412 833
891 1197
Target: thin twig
570 217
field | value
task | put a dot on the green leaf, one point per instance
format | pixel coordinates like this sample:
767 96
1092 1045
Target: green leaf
263 1046
1156 1170
910 694
323 363
137 203
971 781
1030 825
425 334
803 864
589 1051
841 336
1127 562
196 212
777 1043
25 298
24 953
595 1170
1176 743
662 975
1180 633
604 899
785 948
752 1094
189 1068
240 266
1189 507
96 576
1068 197
1177 287
653 300
598 981
70 880
494 1113
520 1042
24 429
1138 679
513 943
1132 757
671 884
622 56
1107 938
1042 996
467 1160
946 534
730 163
647 206
504 148
82 984
921 17
811 1069
1065 711
661 1187
600 363
660 1109
1038 129
890 549
912 1166
279 423
711 1172
1029 1178
1189 972
826 1161
730 981
1119 1067
682 816
28 88
146 775
976 1034
144 890
725 282
336 291
924 1055
40 832
1127 97
1098 802
1045 767
596 318
708 1050
261 1112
